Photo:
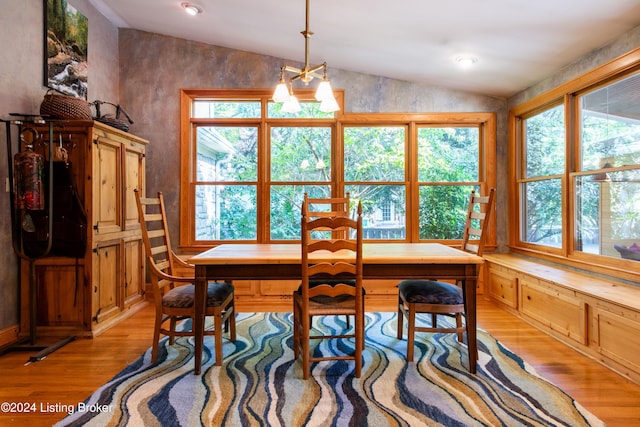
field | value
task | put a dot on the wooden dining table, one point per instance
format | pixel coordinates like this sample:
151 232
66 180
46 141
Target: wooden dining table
282 261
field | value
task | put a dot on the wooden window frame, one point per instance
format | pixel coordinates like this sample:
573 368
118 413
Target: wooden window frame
486 122
567 94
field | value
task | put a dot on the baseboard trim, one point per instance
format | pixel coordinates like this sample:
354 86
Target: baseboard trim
9 335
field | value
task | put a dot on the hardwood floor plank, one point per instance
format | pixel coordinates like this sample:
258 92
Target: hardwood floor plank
72 373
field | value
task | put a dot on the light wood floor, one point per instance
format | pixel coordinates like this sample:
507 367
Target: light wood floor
72 373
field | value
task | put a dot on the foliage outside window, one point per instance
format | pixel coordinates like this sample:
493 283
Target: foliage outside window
541 185
578 173
246 166
374 173
448 169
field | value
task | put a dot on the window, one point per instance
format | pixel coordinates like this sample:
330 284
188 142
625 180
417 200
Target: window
448 169
541 177
608 183
246 166
374 173
577 170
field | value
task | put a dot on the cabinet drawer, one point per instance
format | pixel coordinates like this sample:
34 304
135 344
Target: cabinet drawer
503 285
554 307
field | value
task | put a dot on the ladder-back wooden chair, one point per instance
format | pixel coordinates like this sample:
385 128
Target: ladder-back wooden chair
442 298
337 259
173 294
327 207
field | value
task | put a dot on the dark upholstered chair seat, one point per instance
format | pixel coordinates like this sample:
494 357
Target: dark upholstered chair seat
182 296
430 292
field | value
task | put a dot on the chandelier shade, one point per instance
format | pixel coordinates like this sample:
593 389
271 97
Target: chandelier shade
283 92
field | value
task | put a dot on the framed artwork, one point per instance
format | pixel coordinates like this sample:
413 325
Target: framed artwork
66 35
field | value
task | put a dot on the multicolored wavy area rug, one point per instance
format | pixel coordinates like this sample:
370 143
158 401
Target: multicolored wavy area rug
260 384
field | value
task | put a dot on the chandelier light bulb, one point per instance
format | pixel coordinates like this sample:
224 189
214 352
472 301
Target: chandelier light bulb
329 105
324 91
281 94
291 105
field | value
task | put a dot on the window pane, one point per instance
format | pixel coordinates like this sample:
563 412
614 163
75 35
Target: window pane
286 204
448 154
545 143
443 211
374 154
383 210
542 216
300 154
227 154
610 125
226 212
206 109
608 214
308 110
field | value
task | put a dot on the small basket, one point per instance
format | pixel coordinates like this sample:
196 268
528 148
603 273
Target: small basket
111 119
65 107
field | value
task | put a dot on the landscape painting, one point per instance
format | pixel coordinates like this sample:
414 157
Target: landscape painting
65 46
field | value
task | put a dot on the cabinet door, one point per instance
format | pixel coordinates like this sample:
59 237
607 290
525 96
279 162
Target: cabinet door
503 285
556 308
133 271
133 179
107 186
60 291
616 336
106 280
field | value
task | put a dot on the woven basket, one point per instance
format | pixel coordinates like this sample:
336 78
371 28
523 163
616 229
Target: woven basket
110 119
65 107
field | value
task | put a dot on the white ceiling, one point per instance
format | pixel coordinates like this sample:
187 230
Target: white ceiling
517 42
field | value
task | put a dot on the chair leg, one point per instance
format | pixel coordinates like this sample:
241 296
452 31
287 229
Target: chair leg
296 331
411 332
172 328
306 347
459 325
400 318
232 323
156 337
359 333
217 324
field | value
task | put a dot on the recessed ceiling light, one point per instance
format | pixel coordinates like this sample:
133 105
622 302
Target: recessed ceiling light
191 8
466 60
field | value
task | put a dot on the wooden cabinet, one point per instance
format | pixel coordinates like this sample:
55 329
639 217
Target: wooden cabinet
597 316
86 296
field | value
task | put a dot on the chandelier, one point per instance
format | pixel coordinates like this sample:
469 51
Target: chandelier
324 93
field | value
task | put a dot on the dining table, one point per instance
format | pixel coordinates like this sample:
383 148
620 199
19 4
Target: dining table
282 261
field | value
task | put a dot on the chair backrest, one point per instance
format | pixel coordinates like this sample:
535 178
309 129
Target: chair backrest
478 215
335 259
329 207
155 235
324 207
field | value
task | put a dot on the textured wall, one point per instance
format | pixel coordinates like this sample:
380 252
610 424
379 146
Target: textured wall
21 91
624 44
154 68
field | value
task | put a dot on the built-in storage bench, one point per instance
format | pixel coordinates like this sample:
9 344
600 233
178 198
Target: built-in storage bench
596 316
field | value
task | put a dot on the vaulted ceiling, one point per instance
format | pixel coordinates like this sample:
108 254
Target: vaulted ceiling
516 43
